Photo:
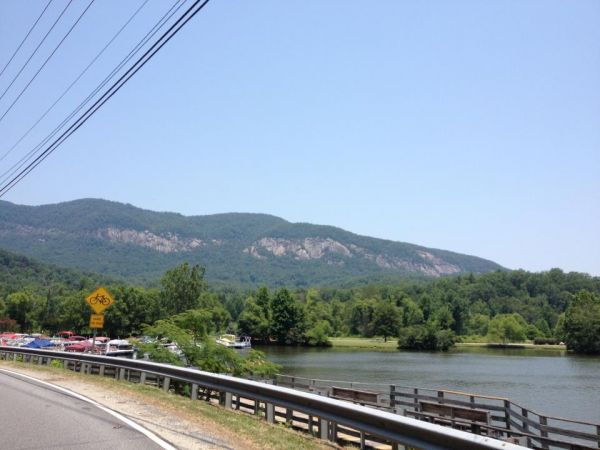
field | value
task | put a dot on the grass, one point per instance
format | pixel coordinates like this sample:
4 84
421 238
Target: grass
525 345
247 427
378 343
365 343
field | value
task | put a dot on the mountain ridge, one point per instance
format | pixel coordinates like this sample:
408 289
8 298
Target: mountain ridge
119 239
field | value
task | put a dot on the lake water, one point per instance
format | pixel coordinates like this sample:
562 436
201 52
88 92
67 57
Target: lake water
551 383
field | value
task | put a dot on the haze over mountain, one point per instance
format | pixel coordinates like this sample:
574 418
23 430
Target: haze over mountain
121 240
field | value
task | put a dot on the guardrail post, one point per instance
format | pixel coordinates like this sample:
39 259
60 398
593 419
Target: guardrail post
270 413
101 370
598 432
66 364
194 394
333 435
393 397
362 440
324 428
166 384
122 374
14 356
228 400
40 360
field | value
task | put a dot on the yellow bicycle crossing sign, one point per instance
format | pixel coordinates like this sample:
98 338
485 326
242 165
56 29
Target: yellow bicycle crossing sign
99 300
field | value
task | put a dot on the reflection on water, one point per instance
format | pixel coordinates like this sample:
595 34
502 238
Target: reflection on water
549 382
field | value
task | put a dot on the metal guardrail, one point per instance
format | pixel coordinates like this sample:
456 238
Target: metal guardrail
336 420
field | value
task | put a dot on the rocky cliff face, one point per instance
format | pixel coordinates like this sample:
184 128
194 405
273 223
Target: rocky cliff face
321 248
167 243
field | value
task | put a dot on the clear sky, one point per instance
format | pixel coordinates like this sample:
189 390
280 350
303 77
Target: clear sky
472 126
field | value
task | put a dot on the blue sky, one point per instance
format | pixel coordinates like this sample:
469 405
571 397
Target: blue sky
472 126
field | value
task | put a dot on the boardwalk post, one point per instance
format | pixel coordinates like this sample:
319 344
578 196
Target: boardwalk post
507 414
525 425
416 400
543 432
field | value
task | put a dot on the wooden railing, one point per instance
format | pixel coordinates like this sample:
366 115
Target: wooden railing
496 417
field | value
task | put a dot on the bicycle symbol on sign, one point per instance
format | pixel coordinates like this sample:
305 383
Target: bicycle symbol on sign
100 299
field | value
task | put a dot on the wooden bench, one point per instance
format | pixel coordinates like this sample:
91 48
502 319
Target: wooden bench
455 412
353 395
466 419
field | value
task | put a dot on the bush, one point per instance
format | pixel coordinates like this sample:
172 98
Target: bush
425 337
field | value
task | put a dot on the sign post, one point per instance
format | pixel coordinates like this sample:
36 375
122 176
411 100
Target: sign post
98 300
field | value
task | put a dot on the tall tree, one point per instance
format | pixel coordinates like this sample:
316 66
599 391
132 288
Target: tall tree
582 323
181 288
287 319
386 320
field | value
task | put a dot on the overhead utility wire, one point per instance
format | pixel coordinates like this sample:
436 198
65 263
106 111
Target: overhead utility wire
196 7
47 59
75 80
25 38
36 49
161 22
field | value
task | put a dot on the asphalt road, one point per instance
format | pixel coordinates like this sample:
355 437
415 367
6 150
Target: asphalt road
35 416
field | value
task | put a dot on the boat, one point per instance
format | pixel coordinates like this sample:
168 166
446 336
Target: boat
232 341
119 347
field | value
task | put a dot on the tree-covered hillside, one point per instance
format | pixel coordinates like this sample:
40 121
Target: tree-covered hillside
498 307
137 245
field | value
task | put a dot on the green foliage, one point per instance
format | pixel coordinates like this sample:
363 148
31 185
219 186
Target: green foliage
425 337
386 320
199 350
287 319
582 323
507 328
318 335
181 288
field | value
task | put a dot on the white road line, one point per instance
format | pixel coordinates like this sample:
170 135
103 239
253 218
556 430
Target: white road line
149 434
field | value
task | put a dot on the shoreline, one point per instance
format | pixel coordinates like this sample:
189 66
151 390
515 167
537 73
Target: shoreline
391 344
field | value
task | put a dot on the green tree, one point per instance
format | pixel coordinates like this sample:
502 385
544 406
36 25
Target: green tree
582 323
319 334
252 322
507 328
386 320
287 321
181 288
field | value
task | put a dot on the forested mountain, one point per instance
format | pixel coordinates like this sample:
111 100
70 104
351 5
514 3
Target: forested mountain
19 273
137 245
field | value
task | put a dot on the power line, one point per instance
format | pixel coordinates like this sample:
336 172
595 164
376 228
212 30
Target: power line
161 22
196 7
47 59
36 49
83 72
25 38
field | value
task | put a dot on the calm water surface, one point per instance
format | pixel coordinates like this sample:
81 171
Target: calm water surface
550 383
